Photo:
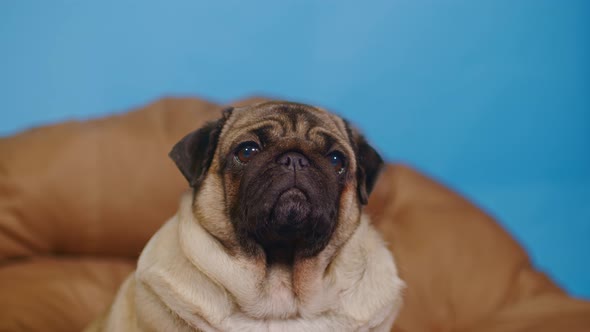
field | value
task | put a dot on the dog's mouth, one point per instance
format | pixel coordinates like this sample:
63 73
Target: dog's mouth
291 207
293 193
285 217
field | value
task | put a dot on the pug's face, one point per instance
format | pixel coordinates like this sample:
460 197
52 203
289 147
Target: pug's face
278 179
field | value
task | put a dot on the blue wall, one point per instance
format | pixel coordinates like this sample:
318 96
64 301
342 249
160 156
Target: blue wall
492 97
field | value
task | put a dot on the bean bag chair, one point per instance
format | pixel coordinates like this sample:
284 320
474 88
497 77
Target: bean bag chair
79 200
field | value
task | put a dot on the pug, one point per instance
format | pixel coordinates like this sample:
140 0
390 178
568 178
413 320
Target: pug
272 236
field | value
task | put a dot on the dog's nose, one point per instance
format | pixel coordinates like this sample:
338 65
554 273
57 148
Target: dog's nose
293 160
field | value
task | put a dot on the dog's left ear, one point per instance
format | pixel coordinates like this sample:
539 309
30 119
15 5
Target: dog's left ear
369 164
194 152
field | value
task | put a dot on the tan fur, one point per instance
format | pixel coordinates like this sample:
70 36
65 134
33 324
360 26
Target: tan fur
192 274
185 281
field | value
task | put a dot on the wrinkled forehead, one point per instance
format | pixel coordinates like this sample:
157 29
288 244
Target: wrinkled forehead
284 120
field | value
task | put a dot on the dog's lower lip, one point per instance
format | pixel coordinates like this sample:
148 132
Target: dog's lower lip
294 191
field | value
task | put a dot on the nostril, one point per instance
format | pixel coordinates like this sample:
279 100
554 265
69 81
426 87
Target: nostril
293 160
303 162
284 160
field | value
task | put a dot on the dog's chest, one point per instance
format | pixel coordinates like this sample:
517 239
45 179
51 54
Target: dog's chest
210 291
279 300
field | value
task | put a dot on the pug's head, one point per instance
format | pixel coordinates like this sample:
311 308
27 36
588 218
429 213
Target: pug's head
280 180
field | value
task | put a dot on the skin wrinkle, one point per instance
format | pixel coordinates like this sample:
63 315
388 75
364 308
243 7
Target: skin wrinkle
175 316
229 250
272 122
264 135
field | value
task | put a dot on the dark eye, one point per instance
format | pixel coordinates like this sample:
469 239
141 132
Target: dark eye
246 151
338 161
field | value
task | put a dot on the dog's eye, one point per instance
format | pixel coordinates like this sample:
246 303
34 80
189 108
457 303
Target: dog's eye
338 161
246 151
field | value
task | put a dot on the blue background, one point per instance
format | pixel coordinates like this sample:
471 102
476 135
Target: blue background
491 97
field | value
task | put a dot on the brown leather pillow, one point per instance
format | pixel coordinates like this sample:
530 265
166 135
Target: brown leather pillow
79 200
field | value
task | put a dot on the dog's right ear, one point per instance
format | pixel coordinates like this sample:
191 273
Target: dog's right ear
369 163
194 152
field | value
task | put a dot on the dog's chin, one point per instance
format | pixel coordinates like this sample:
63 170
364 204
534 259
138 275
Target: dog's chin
297 224
286 226
291 209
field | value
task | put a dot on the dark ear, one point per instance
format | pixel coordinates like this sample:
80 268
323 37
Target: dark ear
194 152
369 164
